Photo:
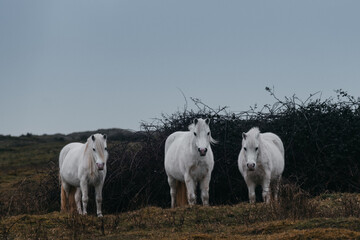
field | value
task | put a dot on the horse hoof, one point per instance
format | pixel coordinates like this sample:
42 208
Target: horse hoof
100 215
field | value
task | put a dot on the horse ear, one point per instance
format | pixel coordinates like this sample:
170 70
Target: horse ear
207 121
244 136
93 137
105 136
196 121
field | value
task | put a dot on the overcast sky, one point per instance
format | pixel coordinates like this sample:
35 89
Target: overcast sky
71 65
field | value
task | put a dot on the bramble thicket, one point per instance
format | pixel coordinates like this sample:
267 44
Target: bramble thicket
322 150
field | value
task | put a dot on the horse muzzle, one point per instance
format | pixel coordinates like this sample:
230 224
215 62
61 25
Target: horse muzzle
100 166
202 151
251 166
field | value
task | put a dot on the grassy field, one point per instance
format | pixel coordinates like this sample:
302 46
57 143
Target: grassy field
333 216
23 160
25 163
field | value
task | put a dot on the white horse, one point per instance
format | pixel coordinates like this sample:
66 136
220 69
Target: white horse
82 165
261 162
189 159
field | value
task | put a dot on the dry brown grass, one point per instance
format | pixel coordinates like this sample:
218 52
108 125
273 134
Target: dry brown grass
332 216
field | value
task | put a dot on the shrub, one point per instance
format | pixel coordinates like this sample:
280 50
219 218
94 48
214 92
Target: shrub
319 138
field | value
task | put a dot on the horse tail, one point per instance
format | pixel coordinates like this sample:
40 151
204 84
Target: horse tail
71 206
181 194
63 199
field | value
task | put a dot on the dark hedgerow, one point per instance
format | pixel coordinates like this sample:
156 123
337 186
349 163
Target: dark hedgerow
320 137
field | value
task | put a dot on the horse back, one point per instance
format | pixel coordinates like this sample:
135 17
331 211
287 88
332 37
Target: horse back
274 140
66 149
175 152
276 152
174 137
69 159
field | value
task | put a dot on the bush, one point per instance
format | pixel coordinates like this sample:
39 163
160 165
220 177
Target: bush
319 137
35 196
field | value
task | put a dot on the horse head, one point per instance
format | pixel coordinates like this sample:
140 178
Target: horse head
202 135
250 145
99 150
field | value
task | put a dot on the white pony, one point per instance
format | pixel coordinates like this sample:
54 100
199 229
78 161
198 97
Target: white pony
189 159
82 165
261 162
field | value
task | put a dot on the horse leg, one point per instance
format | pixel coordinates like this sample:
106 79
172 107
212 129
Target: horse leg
98 193
190 187
84 192
204 186
277 187
251 189
78 200
172 184
266 193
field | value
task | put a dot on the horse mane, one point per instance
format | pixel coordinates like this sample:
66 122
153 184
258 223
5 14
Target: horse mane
89 157
251 135
213 141
88 152
99 145
253 131
192 128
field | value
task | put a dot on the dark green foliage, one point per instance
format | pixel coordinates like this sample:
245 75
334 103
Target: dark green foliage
320 138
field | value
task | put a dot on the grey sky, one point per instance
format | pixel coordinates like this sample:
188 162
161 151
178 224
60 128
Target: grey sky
70 65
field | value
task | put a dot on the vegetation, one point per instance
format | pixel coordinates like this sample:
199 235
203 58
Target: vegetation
321 151
328 216
319 192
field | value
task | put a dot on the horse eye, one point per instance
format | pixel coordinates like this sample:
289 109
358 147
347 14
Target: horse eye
195 134
106 149
94 149
256 148
208 133
245 148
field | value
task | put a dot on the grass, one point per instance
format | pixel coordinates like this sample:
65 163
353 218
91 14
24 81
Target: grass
241 221
19 160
